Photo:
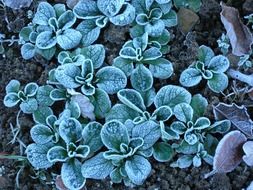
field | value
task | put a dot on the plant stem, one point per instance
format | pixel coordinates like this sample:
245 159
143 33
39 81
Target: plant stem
241 76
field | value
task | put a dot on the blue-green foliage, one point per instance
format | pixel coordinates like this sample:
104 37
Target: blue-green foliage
208 67
51 26
143 61
137 121
96 15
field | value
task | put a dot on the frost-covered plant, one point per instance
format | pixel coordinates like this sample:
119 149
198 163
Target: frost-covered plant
250 20
3 40
137 53
97 14
198 142
51 26
208 67
223 44
124 160
153 17
32 99
110 79
191 4
64 140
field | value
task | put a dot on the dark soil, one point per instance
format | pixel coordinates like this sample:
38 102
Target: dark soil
183 52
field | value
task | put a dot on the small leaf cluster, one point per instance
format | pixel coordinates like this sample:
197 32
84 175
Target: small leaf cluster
51 28
208 67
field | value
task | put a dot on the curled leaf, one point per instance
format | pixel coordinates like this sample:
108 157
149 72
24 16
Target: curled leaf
86 107
238 115
228 154
239 35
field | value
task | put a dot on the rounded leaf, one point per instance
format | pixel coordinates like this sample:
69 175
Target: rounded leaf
70 130
183 112
218 83
132 99
161 68
163 152
111 79
190 77
41 134
46 40
69 39
113 134
11 99
218 64
172 95
141 78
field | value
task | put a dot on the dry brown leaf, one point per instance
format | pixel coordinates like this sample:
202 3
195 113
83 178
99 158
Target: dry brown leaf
238 115
228 154
239 34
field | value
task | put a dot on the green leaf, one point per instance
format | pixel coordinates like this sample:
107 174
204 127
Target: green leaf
132 99
218 83
125 65
97 167
46 40
37 155
41 134
41 114
185 148
91 136
141 78
58 94
163 152
162 113
101 102
151 54
161 68
113 134
138 169
12 86
65 74
202 123
11 99
96 53
25 33
149 131
128 53
124 18
121 112
205 54
116 176
199 105
190 77
31 89
28 51
172 95
69 39
111 79
218 64
148 96
170 19
178 127
220 127
47 53
86 9
70 130
184 161
29 106
110 7
43 95
89 30
183 112
57 154
190 137
44 12
66 20
71 174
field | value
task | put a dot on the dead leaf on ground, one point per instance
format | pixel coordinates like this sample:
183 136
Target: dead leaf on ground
239 34
238 115
228 154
